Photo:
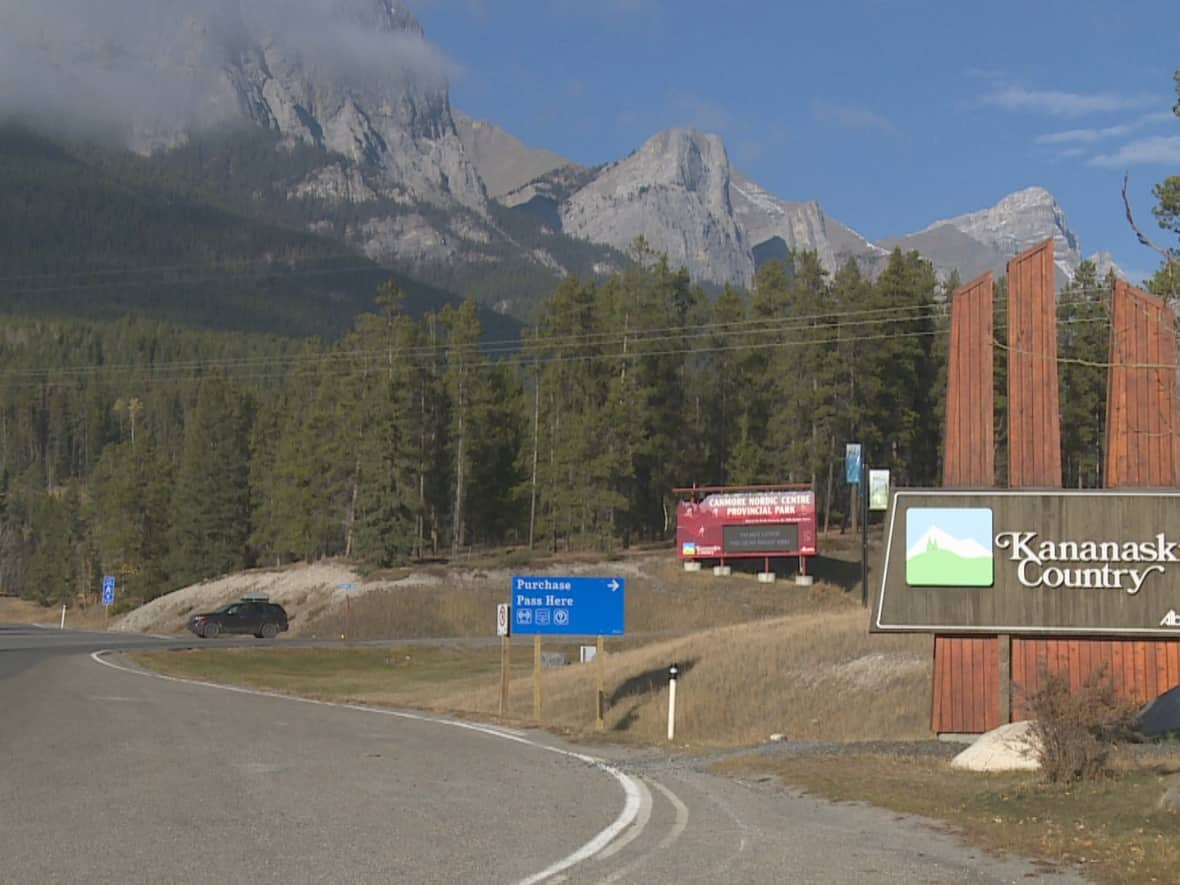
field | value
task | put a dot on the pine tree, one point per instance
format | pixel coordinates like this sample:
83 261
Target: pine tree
1083 334
211 500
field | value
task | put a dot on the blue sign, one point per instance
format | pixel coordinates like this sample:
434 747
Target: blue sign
852 465
567 606
108 590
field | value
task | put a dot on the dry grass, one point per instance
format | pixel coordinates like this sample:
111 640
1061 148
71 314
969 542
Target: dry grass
21 611
661 598
818 676
1113 827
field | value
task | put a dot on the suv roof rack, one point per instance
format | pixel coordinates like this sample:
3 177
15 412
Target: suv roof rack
255 597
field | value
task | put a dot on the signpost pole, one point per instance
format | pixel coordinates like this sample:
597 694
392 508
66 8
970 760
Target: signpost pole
600 687
537 677
505 669
864 532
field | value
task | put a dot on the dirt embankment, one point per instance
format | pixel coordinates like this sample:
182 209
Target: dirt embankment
304 591
311 592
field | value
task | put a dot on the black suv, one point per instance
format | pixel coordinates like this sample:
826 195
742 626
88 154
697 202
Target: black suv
258 616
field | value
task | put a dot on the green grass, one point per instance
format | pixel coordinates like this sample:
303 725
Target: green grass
941 568
1111 828
402 675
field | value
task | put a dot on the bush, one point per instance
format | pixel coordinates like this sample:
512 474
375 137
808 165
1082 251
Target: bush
1078 730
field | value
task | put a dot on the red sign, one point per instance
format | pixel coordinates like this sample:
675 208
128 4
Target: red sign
780 523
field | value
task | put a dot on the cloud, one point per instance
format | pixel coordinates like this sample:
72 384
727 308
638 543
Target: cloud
1158 150
1065 104
119 65
851 117
1089 136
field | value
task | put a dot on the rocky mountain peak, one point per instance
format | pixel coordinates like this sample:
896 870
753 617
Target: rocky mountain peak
674 192
378 15
1019 221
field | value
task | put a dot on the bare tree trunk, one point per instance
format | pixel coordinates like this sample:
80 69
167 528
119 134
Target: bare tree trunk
351 523
536 447
828 496
460 458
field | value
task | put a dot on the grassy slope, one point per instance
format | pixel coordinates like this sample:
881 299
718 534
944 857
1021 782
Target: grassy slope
755 659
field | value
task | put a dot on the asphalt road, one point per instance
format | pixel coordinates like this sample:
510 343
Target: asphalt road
112 775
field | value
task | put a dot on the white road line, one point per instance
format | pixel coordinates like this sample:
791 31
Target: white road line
675 833
636 828
631 791
681 816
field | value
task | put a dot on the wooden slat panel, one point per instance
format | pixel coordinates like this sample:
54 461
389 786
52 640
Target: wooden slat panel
969 443
995 715
967 669
1034 427
1142 449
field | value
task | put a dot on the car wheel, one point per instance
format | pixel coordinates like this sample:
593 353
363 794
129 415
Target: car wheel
270 631
211 631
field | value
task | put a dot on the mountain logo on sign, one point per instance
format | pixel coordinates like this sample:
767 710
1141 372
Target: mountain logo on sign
949 547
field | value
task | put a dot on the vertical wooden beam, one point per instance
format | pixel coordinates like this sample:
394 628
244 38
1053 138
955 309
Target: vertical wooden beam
963 696
1034 415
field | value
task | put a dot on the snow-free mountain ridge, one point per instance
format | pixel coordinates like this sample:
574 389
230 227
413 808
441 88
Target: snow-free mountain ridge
411 183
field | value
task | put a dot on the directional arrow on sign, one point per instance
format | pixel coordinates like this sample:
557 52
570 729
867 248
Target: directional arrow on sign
613 585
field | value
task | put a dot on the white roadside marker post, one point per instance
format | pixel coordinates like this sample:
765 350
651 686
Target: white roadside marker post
63 617
673 672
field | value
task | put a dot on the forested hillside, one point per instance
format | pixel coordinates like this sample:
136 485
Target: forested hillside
162 455
202 236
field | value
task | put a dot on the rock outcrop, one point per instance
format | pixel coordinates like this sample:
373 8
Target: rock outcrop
673 192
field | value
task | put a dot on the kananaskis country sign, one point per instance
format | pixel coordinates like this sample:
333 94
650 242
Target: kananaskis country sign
1025 561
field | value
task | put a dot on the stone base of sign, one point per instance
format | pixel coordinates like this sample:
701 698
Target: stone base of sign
722 571
765 577
691 565
804 580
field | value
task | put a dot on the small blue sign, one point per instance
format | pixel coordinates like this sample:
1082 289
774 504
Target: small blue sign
108 590
567 606
852 464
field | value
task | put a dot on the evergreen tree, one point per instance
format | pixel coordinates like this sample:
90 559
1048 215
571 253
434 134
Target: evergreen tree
1167 213
211 500
53 568
897 372
1083 345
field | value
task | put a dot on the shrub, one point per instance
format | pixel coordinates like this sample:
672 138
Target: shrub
1078 730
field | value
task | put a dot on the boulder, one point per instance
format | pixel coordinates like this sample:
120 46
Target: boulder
1162 716
1011 747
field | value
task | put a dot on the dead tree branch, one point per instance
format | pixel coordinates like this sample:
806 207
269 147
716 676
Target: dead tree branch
1169 257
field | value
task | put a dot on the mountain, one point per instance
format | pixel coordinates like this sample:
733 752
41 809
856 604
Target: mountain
936 538
984 240
679 192
333 118
776 227
504 162
675 193
95 233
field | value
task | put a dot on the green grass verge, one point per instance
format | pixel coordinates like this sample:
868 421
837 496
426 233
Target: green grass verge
376 675
1111 828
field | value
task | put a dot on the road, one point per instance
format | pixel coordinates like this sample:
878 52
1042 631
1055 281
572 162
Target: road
114 775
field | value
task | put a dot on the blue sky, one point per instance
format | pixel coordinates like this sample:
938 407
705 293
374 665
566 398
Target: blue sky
892 114
961 523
